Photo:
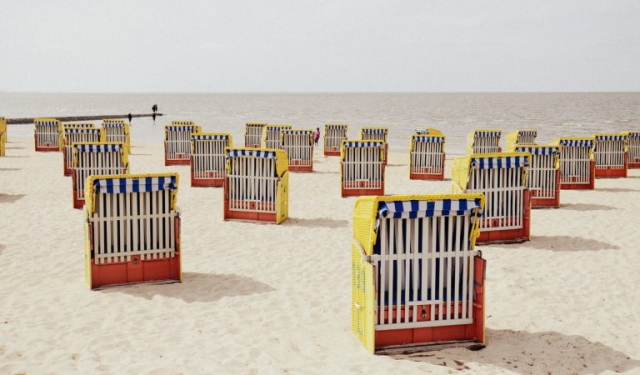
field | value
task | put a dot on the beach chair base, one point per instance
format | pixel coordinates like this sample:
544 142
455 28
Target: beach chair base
296 166
611 173
45 148
509 235
332 152
208 179
362 190
412 338
252 145
253 211
634 165
66 170
182 159
78 204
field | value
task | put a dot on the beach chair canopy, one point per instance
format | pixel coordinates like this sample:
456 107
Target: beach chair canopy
463 165
538 150
280 156
210 137
574 142
428 131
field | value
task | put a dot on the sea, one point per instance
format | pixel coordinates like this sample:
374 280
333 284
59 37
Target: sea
455 114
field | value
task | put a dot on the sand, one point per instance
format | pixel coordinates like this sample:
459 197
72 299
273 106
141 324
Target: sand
259 298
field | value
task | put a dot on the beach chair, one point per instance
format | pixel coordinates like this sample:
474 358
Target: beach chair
207 158
520 138
132 229
543 174
501 177
253 134
257 185
483 141
611 155
3 136
272 137
47 134
177 142
428 131
334 134
362 168
634 149
299 147
117 131
577 167
98 158
71 135
376 134
417 279
426 157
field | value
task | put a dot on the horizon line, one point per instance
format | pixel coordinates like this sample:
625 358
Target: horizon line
324 92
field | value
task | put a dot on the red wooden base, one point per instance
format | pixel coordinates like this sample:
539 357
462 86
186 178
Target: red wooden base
211 179
47 149
362 190
300 168
611 173
267 217
510 235
634 165
434 335
183 159
252 145
331 153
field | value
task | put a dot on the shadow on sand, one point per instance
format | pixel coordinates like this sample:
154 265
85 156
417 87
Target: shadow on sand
567 243
10 169
533 353
618 190
585 207
197 287
311 223
8 198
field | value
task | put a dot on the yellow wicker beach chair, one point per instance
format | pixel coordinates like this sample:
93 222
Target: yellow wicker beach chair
208 158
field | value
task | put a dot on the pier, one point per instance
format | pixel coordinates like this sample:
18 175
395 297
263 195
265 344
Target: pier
29 120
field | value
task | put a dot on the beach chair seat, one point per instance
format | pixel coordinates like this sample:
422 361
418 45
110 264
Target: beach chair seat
256 185
298 144
272 136
253 134
483 141
77 134
132 229
543 174
362 168
208 158
117 131
426 157
610 155
634 149
501 177
377 134
95 158
577 165
177 142
3 136
334 134
47 134
417 280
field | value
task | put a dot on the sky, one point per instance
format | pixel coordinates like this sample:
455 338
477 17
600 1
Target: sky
319 46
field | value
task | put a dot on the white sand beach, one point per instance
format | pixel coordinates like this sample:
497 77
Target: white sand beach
274 299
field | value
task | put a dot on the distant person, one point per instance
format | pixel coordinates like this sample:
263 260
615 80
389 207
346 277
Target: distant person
316 136
154 108
130 117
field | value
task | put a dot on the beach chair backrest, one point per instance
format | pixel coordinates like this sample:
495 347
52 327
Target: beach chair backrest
73 135
428 131
362 161
132 215
334 134
47 132
298 143
413 262
98 158
519 138
609 150
272 137
541 172
483 141
634 147
208 154
576 154
425 153
177 141
116 130
253 134
374 134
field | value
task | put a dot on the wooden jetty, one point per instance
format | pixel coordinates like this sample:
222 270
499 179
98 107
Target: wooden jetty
29 120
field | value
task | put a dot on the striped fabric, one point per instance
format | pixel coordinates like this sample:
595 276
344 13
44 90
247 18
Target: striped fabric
207 137
634 134
539 150
528 132
577 142
113 125
335 126
487 134
277 128
253 153
43 123
182 122
134 185
81 131
112 121
181 128
421 131
374 131
307 132
98 148
611 137
499 162
414 209
429 139
363 144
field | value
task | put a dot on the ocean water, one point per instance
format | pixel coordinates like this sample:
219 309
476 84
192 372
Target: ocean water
455 114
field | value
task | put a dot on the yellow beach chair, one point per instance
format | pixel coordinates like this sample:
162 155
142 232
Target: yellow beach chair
483 141
208 158
611 155
47 134
117 131
272 137
520 138
577 166
253 134
362 168
177 142
299 147
377 134
426 157
634 149
334 134
543 174
73 134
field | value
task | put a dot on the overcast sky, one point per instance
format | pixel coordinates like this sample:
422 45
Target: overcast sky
319 46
